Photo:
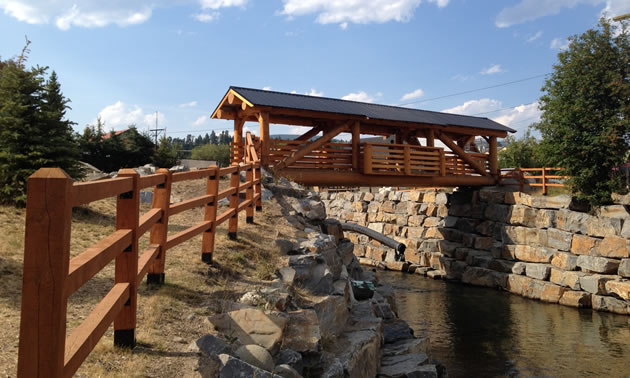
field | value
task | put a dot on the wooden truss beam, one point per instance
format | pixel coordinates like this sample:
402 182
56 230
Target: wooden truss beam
311 133
462 154
327 137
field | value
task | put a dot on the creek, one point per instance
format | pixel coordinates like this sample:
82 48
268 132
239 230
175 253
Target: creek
481 332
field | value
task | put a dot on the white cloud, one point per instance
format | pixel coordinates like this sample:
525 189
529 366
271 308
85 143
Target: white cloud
356 11
119 116
412 95
529 10
492 70
206 16
462 77
95 13
313 92
191 104
535 36
475 107
559 44
359 96
518 117
200 121
267 88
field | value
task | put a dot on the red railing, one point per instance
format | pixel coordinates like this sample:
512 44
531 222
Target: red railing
51 276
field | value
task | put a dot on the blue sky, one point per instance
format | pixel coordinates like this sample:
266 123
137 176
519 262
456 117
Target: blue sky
125 60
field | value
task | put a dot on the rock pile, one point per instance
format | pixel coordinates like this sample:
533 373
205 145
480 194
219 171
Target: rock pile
308 322
544 248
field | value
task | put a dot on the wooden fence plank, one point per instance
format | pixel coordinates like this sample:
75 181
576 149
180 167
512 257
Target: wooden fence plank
159 231
148 219
188 233
46 260
127 217
86 192
145 261
210 215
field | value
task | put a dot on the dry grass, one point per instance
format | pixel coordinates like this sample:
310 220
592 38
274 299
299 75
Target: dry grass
169 316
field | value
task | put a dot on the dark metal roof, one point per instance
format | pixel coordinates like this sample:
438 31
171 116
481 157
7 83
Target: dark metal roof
259 97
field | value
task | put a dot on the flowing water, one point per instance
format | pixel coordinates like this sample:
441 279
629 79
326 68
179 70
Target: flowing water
481 332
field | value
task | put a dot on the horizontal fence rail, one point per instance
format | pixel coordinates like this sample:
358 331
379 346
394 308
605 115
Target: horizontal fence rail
330 155
403 159
527 177
51 276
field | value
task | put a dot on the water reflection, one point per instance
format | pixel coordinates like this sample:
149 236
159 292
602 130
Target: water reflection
480 332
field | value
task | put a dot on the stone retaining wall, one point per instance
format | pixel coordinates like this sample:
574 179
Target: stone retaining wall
534 246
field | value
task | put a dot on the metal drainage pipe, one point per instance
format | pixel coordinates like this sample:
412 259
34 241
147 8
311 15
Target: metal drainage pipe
398 247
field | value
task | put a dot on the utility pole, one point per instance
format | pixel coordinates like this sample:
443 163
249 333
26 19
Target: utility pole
156 131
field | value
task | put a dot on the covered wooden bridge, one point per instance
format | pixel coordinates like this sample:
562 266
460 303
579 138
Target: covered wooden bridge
314 158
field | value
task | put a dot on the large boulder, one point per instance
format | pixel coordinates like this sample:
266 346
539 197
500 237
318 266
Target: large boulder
598 264
232 367
251 326
256 355
302 332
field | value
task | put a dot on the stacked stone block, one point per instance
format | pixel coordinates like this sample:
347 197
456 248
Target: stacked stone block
538 247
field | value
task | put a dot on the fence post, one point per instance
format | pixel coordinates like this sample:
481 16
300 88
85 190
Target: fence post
521 181
235 180
207 241
258 177
127 218
407 159
249 194
46 264
159 231
544 181
367 159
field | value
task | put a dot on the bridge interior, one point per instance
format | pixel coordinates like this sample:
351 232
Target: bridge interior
315 158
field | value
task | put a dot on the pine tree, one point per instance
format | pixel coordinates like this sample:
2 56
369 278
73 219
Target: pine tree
586 120
213 138
166 155
33 132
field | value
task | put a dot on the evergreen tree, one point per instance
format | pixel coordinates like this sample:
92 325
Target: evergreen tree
166 155
586 119
213 138
33 132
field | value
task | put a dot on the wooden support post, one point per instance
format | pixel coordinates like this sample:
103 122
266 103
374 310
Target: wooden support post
127 218
159 231
235 180
462 154
238 141
356 139
46 262
442 163
493 157
207 240
258 176
249 195
521 181
311 146
367 159
407 159
430 138
263 122
544 181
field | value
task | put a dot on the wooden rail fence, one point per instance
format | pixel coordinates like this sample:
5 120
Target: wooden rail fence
524 177
51 276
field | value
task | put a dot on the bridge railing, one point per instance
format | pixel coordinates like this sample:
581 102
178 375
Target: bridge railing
403 159
51 276
330 156
456 166
527 177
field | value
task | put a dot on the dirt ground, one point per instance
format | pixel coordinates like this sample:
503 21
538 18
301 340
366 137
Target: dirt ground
169 316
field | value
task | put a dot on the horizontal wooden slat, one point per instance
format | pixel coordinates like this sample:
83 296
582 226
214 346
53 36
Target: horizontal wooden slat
189 204
145 260
225 193
244 204
188 233
224 216
148 219
151 180
192 175
244 186
85 337
228 170
95 258
86 192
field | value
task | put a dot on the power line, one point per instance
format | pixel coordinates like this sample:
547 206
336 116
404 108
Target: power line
475 90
